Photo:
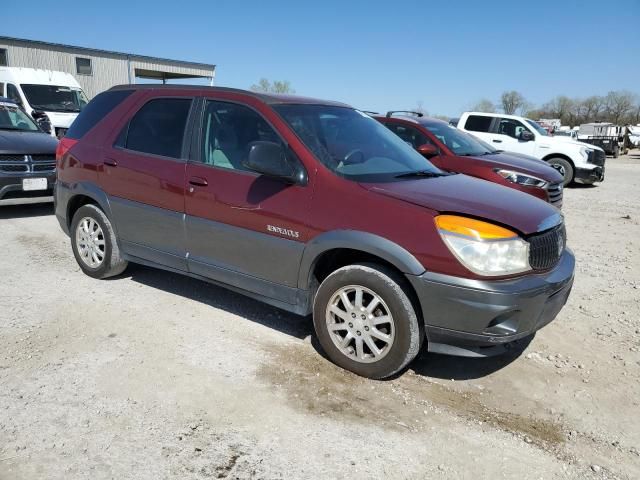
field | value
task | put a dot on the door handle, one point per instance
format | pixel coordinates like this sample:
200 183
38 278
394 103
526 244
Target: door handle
198 181
110 162
496 141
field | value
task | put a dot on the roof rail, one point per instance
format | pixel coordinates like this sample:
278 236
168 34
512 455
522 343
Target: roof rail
392 112
369 112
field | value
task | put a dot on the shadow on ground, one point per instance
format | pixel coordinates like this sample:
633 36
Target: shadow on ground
222 298
26 210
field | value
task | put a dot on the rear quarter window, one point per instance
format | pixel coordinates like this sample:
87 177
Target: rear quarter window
96 110
478 123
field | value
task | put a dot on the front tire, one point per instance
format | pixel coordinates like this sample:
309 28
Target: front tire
365 321
94 243
564 167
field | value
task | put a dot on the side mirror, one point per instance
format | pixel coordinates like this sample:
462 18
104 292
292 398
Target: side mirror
428 151
271 160
526 136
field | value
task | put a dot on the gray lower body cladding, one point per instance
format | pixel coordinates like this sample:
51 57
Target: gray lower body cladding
477 318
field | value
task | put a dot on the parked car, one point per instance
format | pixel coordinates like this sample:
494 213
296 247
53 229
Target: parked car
453 150
576 161
52 98
27 155
313 207
566 134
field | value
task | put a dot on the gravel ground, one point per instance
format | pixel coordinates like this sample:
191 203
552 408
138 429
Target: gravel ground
154 376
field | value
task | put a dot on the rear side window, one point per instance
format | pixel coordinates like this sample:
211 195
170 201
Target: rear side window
410 135
158 127
478 123
96 110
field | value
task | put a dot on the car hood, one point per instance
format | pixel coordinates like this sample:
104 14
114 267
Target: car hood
473 197
12 141
521 163
556 141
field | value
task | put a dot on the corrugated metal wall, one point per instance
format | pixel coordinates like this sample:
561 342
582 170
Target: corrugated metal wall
108 69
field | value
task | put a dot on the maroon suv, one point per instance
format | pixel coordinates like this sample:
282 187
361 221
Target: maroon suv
453 150
313 207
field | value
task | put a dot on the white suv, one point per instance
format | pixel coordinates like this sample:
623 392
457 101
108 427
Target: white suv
576 161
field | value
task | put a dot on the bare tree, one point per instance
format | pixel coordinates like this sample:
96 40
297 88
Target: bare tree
619 105
564 108
484 105
513 102
420 108
591 108
278 86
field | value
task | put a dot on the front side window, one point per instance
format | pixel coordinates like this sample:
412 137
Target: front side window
512 128
13 94
228 132
353 145
478 123
412 136
13 118
158 127
459 142
54 98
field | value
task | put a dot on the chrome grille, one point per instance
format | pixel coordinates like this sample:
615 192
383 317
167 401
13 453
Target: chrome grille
546 248
14 168
12 158
555 194
596 157
39 162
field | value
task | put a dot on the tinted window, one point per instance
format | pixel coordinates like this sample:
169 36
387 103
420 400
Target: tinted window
352 144
229 131
96 110
412 136
3 57
12 118
510 127
83 66
478 123
158 127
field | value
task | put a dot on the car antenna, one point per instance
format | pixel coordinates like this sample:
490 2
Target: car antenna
392 112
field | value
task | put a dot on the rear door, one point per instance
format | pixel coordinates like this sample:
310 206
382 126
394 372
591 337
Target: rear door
243 229
481 126
143 174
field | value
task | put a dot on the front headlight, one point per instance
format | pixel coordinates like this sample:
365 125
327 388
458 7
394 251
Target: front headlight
521 178
482 247
584 151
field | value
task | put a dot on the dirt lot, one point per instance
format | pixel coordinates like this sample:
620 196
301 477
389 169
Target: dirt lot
152 375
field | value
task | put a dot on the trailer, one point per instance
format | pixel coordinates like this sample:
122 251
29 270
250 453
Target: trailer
609 137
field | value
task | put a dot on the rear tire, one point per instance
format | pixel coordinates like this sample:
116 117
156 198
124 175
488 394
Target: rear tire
374 340
564 167
94 243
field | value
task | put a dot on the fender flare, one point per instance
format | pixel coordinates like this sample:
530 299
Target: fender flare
366 242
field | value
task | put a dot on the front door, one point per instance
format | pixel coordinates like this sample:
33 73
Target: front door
508 131
143 175
243 229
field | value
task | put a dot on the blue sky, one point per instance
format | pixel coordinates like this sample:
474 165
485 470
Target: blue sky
375 55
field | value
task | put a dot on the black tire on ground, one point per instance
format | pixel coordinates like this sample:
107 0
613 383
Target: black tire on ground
113 264
391 288
566 166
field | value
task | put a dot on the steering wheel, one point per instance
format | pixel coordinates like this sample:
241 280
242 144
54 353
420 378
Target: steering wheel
352 157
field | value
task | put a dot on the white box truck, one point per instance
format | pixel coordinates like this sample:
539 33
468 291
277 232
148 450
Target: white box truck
50 97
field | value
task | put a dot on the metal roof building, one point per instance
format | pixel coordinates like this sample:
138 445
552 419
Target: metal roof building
97 70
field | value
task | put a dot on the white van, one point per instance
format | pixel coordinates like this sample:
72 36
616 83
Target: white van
50 97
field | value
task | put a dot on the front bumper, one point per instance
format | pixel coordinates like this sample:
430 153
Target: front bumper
483 317
589 175
11 185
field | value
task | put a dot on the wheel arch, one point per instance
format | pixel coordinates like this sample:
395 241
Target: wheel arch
83 194
559 155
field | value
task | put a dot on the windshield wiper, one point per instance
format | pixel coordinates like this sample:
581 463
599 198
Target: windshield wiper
422 173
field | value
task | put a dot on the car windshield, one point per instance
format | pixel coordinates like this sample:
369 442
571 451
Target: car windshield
54 98
12 118
353 145
538 128
459 142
